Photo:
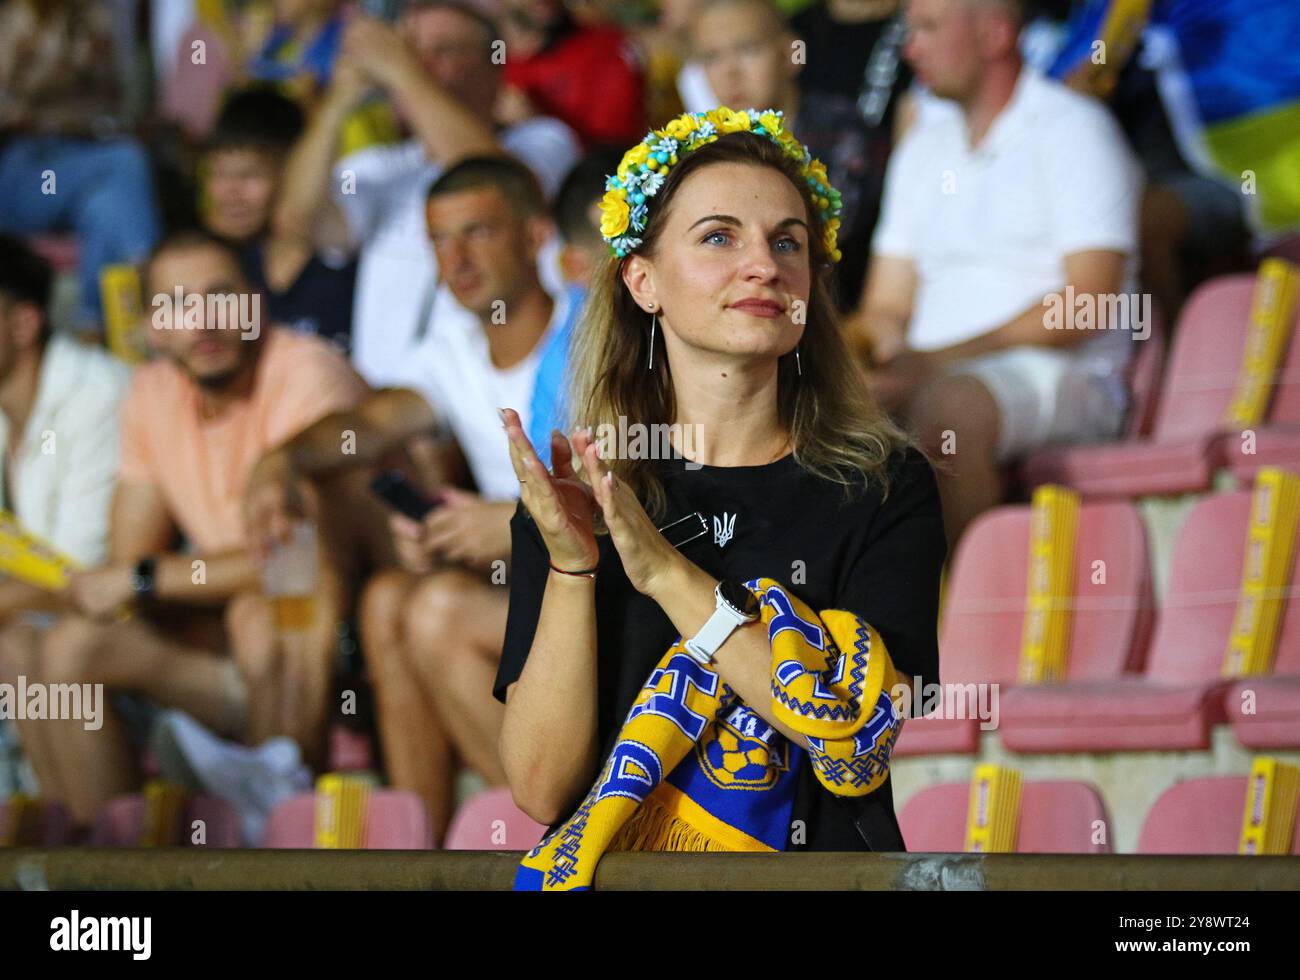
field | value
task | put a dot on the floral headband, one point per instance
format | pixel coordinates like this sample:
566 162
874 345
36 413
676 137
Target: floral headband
625 207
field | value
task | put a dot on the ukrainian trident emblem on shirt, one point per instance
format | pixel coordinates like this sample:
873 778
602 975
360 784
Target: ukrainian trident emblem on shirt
723 528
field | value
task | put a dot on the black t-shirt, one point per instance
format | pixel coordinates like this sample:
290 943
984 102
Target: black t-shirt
879 560
836 52
319 301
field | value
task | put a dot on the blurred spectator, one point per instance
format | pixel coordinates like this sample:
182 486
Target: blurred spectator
1010 197
854 50
59 442
577 217
432 631
194 423
444 81
206 62
586 76
168 24
63 166
58 426
1191 225
243 171
748 54
674 83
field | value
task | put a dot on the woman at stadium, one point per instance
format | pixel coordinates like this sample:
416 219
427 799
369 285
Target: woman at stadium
712 636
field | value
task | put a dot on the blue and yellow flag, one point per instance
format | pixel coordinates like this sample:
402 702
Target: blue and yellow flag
1229 76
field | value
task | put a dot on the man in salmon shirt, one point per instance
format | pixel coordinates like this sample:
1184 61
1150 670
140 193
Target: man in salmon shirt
224 389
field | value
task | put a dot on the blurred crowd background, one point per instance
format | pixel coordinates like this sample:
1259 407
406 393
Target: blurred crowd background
289 148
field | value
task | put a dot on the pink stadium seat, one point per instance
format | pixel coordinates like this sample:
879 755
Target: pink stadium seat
1144 382
1056 817
1183 449
984 610
121 822
1199 816
350 751
1277 441
1275 721
490 821
1180 697
396 820
55 825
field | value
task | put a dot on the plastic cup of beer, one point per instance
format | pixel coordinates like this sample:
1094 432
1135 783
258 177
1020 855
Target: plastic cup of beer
289 578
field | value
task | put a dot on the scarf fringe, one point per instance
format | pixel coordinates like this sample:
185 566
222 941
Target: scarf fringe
654 828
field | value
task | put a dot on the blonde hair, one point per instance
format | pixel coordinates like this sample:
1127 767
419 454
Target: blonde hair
837 429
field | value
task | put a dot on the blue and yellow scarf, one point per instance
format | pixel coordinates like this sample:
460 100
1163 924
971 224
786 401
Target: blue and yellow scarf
695 769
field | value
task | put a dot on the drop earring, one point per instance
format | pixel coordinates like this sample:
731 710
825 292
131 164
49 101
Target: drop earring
654 320
798 367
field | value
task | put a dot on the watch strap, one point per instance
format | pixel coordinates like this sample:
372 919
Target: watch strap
704 644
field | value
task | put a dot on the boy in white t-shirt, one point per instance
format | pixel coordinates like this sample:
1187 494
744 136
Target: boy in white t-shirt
432 631
1008 231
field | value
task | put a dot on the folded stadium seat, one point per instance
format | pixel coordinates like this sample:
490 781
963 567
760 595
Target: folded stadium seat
1056 817
1180 696
54 826
1275 721
1183 450
1277 440
1199 816
121 822
490 821
979 639
396 820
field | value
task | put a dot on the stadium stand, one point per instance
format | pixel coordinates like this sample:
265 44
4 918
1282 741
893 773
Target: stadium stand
1056 817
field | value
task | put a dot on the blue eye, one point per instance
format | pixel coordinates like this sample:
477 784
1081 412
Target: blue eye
714 234
793 244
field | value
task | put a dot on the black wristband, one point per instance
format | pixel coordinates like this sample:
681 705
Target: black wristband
142 578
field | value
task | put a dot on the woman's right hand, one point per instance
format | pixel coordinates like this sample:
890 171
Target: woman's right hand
561 505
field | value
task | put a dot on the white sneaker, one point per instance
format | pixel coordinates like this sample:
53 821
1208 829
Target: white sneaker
252 780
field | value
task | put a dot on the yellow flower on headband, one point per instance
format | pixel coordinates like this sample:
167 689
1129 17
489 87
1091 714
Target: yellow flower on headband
681 128
771 122
633 158
728 121
613 213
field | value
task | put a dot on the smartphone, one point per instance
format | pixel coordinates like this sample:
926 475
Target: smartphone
398 492
388 10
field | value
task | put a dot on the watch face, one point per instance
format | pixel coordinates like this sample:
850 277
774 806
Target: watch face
739 597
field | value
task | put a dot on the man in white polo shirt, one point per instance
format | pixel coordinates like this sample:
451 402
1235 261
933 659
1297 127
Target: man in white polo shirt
1010 211
432 631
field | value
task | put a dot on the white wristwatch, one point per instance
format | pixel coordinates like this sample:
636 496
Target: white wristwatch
735 606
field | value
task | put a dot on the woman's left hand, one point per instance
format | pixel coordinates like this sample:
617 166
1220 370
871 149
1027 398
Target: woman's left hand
647 557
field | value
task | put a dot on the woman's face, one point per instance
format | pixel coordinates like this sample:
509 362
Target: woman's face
731 271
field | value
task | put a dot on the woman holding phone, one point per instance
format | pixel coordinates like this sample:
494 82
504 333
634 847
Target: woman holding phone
710 314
